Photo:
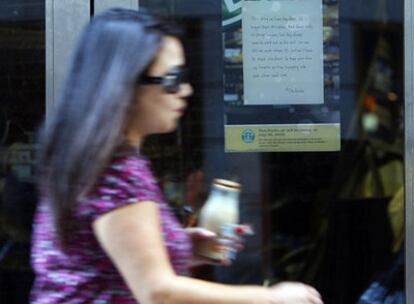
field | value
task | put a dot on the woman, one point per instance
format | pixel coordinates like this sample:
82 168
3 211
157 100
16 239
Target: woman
103 233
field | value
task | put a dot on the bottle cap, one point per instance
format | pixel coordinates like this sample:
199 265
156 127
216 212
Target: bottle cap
226 184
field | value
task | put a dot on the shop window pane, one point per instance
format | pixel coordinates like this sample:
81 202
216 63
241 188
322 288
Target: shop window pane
331 219
22 108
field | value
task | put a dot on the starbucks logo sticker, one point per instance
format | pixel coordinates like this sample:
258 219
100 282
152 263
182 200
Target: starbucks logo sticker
248 136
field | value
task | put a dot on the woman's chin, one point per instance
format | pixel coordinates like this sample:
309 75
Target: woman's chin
168 129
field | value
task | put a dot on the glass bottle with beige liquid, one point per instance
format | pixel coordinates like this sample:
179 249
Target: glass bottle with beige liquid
219 214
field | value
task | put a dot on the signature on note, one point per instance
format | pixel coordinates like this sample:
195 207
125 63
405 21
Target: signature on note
294 90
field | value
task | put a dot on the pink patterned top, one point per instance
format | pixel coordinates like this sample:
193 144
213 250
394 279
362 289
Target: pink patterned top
84 273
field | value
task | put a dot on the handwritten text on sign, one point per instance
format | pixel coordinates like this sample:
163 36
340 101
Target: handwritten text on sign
283 52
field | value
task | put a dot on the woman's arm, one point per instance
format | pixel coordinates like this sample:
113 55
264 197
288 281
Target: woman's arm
132 237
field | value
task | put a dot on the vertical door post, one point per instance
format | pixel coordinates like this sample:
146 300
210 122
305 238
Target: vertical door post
409 150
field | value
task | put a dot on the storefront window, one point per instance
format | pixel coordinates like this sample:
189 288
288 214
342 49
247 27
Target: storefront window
22 107
323 187
330 216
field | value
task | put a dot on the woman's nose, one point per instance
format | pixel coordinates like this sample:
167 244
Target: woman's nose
186 90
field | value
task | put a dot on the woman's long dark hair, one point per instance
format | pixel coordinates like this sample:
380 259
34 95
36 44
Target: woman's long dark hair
89 118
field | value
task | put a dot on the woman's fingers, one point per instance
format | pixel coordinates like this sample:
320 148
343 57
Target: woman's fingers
200 233
293 292
314 292
229 242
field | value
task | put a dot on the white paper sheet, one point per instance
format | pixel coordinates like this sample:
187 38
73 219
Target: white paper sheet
283 52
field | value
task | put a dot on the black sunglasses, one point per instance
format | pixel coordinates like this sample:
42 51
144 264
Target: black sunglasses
171 81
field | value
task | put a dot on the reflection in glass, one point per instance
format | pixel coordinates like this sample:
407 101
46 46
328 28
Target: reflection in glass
22 107
331 219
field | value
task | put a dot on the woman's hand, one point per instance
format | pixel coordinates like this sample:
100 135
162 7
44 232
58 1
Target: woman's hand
293 292
198 234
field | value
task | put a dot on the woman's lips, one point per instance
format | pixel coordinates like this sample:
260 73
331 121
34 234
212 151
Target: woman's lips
181 110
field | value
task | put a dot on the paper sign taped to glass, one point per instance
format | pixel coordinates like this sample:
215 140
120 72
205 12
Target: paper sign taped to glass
281 75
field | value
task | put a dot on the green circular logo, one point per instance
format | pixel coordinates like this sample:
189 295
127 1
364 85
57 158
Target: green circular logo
248 136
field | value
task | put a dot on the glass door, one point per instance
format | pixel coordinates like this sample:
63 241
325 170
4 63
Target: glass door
308 104
22 108
323 170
